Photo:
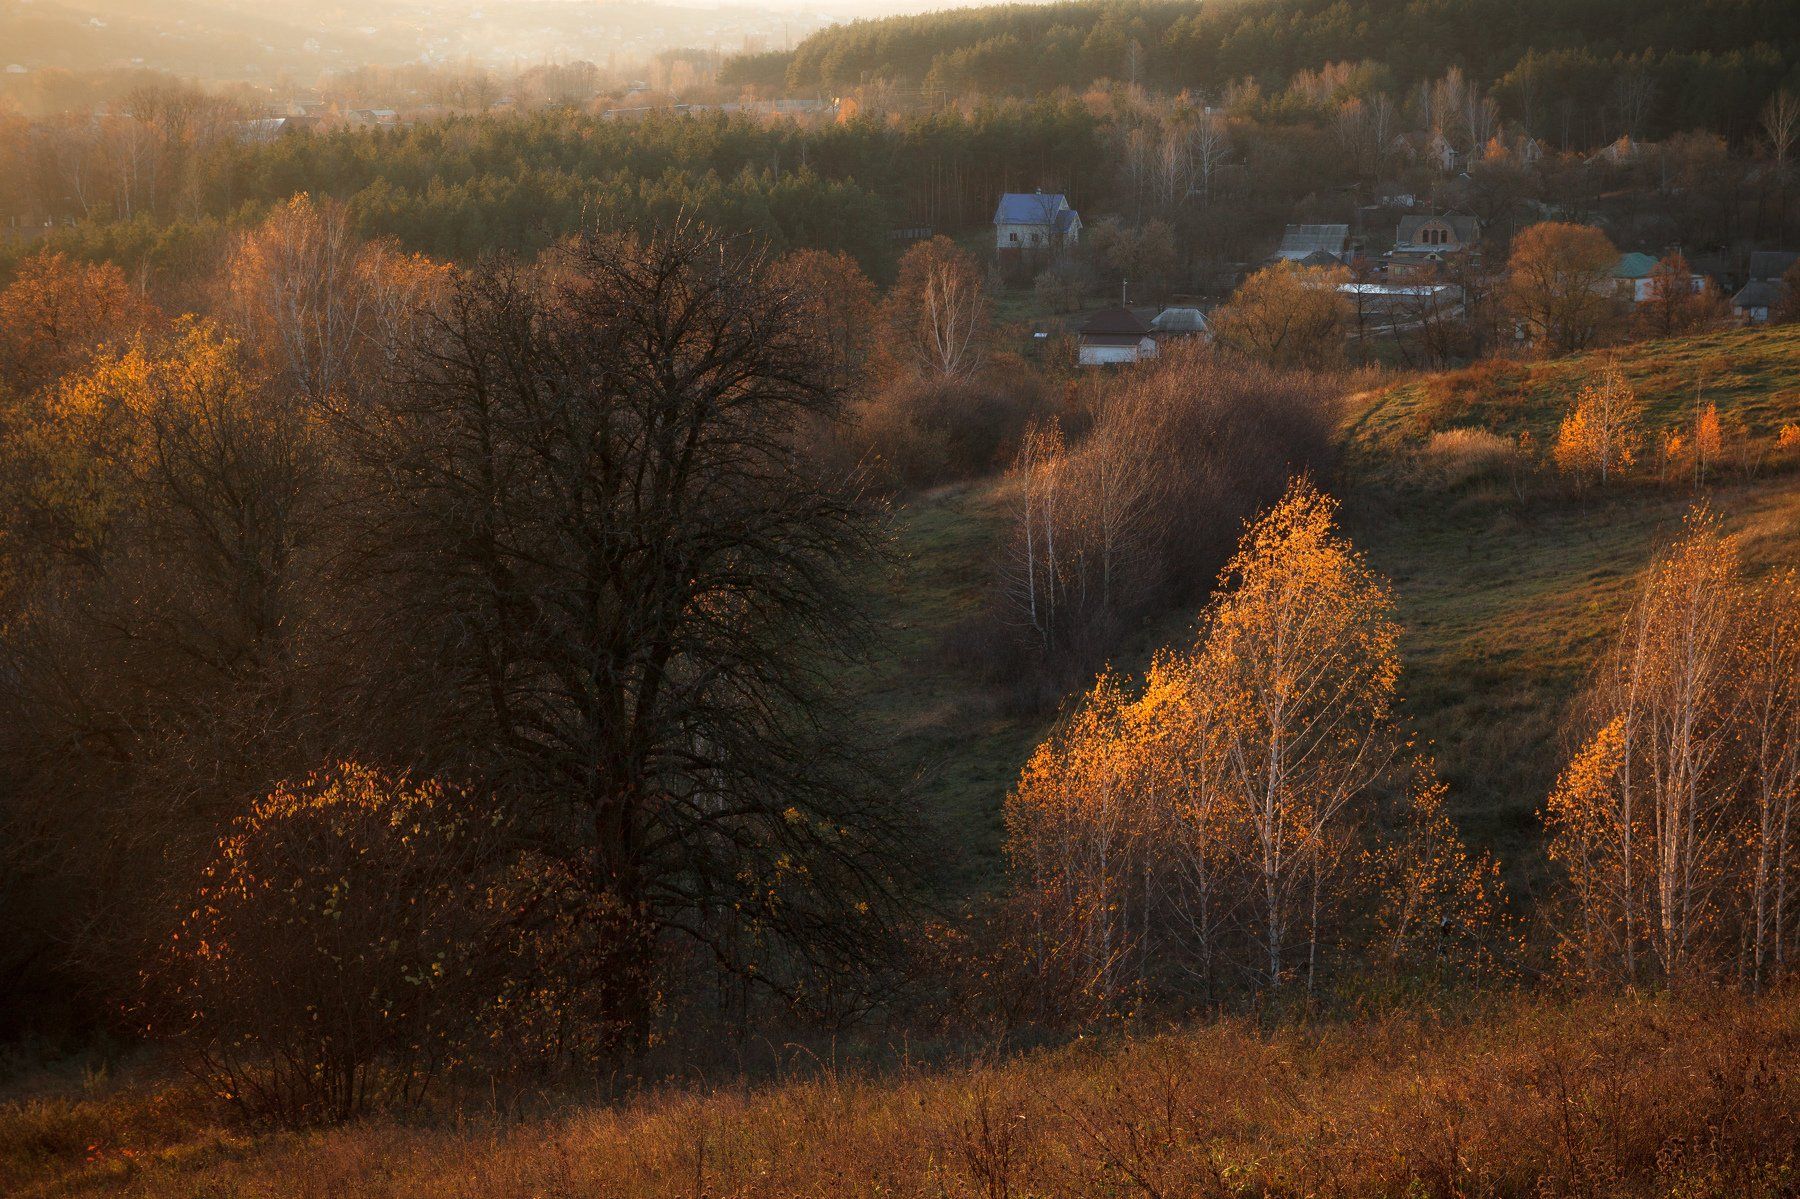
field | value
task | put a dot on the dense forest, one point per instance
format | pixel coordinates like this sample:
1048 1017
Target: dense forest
1704 64
461 186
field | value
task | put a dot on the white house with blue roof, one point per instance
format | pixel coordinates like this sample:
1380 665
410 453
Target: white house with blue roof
1035 221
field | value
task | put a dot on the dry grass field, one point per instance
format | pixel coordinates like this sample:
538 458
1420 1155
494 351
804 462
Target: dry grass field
1615 1098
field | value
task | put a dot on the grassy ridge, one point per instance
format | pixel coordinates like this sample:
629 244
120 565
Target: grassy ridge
1753 375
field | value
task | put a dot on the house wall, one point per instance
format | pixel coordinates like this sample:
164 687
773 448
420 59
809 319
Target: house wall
1116 355
1020 237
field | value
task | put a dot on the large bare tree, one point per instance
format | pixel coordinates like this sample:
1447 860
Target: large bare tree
625 586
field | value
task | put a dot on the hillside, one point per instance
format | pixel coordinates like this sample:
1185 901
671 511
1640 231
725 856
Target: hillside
1506 599
1570 49
1506 594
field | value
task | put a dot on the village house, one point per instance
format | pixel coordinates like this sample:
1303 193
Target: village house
1767 289
1114 337
1758 300
1035 221
1424 244
1315 245
1636 272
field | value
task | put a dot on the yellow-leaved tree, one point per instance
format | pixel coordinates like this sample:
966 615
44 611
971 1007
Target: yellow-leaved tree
1646 820
1202 831
1302 655
1598 439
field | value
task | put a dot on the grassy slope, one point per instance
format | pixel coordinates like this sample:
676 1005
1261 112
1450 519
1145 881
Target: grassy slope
1506 600
961 748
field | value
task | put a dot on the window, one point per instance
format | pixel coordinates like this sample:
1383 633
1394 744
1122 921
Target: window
1014 236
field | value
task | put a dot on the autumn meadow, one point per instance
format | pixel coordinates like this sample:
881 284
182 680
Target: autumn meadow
1111 598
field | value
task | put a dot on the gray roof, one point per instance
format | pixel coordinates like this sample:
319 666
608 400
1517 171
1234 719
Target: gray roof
1033 208
1771 264
1761 293
1179 320
1465 228
1302 240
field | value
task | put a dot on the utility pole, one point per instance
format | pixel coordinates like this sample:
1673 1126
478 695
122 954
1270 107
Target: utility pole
1124 290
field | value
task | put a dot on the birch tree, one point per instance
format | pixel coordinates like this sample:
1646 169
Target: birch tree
1641 819
1303 658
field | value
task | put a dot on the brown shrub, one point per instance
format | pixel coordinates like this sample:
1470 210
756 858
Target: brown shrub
326 966
919 432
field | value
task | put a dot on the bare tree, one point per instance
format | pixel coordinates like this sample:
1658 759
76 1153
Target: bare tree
621 578
1780 121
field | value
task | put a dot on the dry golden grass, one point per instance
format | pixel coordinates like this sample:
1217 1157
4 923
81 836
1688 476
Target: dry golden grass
1748 373
1623 1097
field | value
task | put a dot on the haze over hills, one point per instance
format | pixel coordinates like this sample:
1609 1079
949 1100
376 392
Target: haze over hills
245 40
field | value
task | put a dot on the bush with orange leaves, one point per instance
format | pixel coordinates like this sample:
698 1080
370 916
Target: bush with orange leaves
1598 440
1677 821
1203 832
328 966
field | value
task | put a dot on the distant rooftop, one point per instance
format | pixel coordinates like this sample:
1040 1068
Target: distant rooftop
1033 208
1301 241
1114 322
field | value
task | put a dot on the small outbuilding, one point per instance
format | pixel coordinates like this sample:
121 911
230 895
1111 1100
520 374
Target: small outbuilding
1114 337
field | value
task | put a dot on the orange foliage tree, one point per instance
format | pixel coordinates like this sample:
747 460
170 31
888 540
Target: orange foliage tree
1672 823
56 312
319 301
839 299
1203 828
1598 439
1287 315
1559 285
936 315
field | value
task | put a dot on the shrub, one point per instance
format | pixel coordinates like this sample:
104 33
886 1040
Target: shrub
326 966
921 432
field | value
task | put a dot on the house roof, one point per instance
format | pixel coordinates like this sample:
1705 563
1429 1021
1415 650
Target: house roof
1302 240
1465 227
1634 266
1771 264
1114 322
1179 320
1761 293
1112 339
1320 258
1030 208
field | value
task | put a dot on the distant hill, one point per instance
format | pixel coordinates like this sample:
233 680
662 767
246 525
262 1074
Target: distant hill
1711 61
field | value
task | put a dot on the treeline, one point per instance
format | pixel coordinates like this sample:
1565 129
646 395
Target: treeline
1711 62
457 187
